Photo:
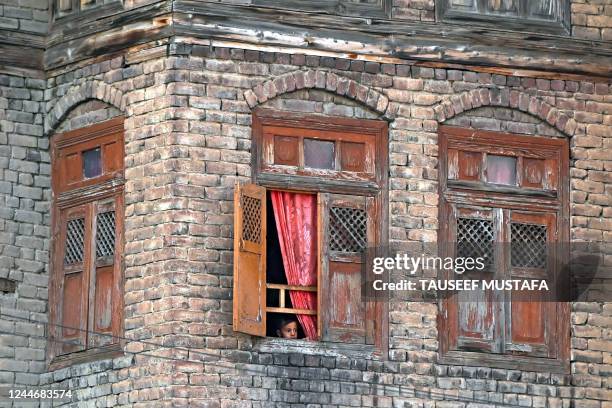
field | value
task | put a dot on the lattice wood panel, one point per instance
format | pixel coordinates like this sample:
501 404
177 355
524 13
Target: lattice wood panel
348 229
251 219
105 234
528 246
75 238
475 239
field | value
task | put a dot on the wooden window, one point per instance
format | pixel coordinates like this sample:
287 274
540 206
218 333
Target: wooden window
86 295
360 8
78 8
351 196
550 16
504 198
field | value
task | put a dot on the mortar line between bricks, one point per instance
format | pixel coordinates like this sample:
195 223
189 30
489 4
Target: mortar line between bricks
394 388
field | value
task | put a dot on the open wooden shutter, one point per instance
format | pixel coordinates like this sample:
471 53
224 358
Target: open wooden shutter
347 230
250 259
474 316
530 315
73 260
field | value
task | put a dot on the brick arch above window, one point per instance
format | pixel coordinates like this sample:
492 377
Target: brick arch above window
89 90
507 98
318 79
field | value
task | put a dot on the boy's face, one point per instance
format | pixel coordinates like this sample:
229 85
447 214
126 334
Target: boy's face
289 331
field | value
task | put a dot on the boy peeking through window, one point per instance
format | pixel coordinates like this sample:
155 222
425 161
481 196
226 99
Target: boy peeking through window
288 328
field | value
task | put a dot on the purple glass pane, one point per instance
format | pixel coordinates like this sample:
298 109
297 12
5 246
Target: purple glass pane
92 163
501 170
319 154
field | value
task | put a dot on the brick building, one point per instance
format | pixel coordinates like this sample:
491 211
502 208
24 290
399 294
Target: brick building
125 126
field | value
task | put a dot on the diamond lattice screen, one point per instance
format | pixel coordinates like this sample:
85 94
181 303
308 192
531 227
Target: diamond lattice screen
251 219
75 237
347 229
475 239
105 234
528 245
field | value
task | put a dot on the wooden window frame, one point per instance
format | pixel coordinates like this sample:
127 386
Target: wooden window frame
373 188
503 199
90 197
338 7
79 12
561 26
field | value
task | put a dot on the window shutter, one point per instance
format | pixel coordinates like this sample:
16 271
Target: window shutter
474 315
531 316
72 260
104 289
347 232
250 259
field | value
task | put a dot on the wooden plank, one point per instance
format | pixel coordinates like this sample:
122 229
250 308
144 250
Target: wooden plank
19 58
291 287
509 71
291 310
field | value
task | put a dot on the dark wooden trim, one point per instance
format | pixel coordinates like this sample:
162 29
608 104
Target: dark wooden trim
475 359
81 135
87 356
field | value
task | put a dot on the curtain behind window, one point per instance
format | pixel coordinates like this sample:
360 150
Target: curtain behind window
296 222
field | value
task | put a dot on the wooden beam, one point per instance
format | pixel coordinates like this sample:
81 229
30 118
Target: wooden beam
19 59
108 18
109 42
382 40
21 53
423 42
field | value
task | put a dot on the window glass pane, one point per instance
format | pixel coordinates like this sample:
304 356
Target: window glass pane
501 170
64 5
92 163
319 154
502 7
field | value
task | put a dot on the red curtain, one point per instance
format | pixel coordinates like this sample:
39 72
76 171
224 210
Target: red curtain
296 223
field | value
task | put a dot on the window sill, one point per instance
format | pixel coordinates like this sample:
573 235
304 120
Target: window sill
510 362
86 356
327 349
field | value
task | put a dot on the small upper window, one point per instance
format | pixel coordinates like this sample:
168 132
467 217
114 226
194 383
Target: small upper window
550 16
64 8
361 8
